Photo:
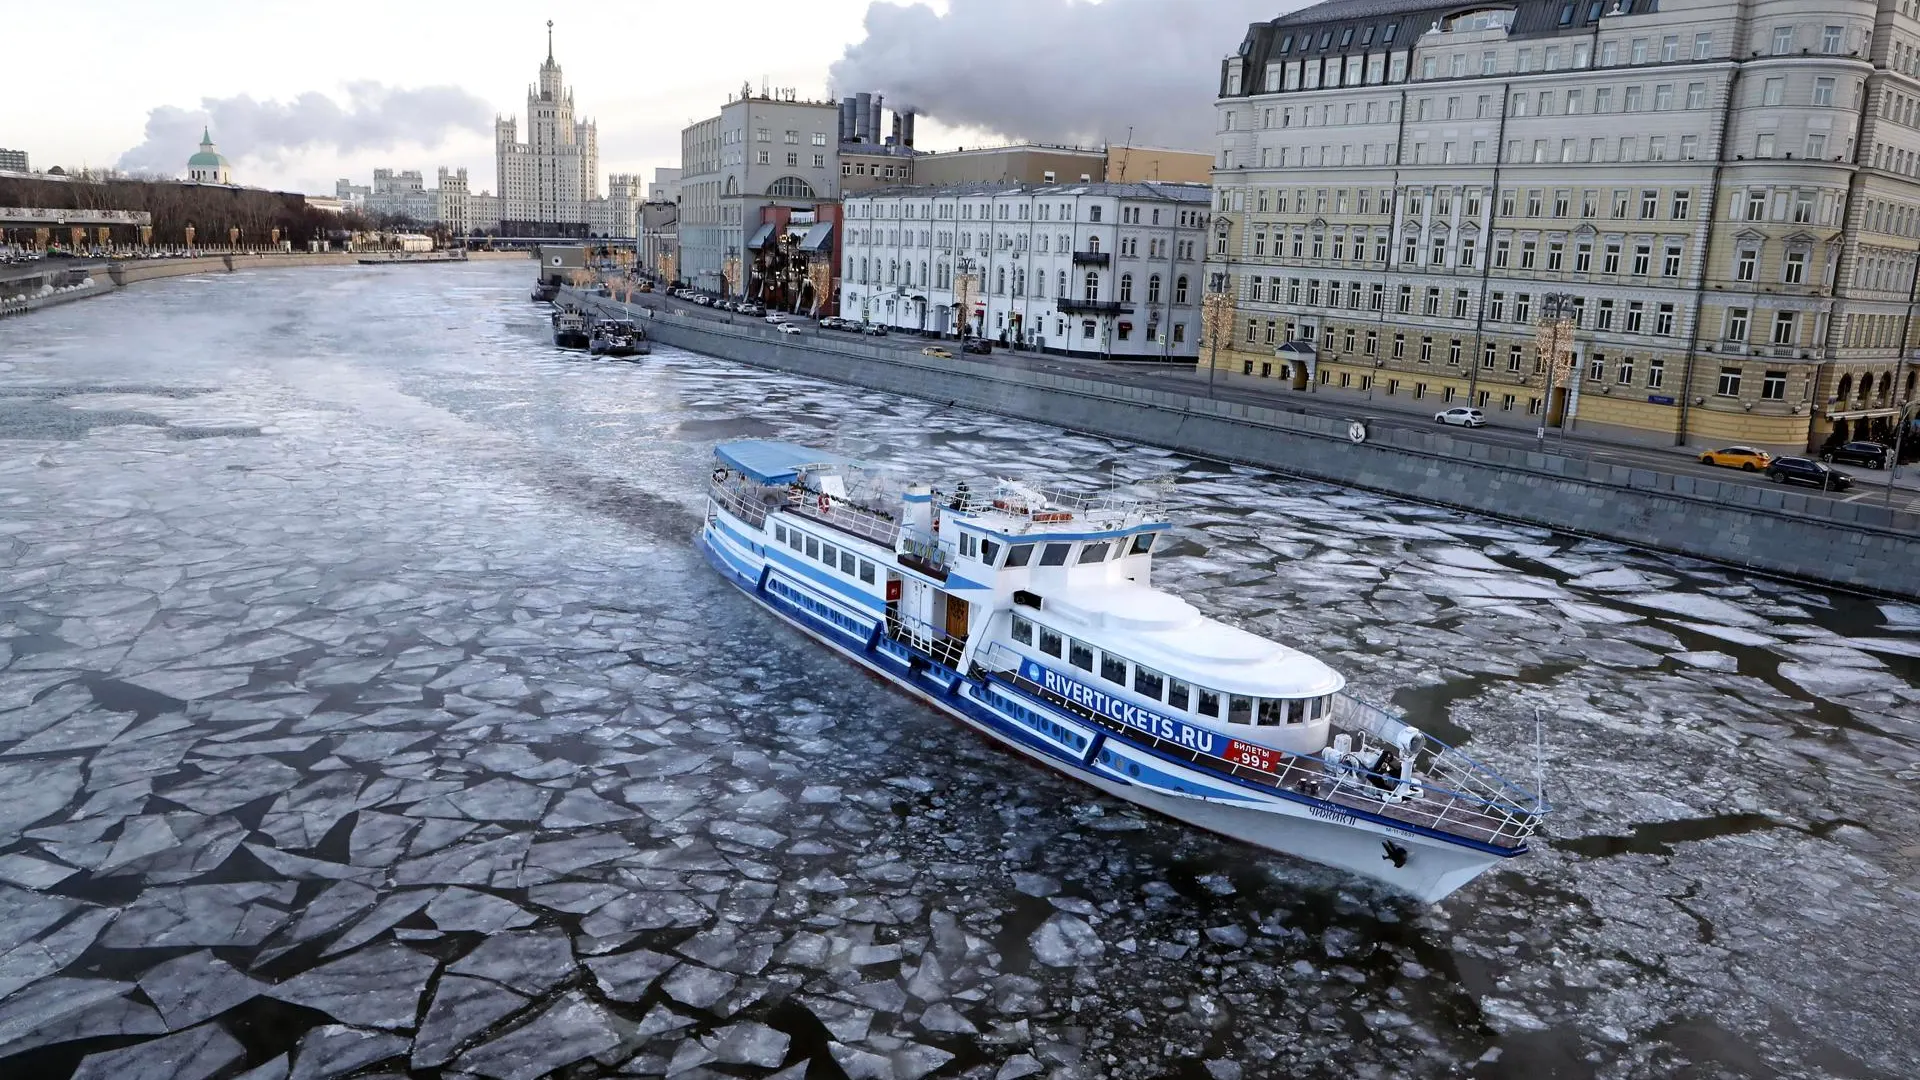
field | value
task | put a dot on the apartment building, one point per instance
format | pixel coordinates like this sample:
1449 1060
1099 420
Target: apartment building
1724 193
1086 269
764 152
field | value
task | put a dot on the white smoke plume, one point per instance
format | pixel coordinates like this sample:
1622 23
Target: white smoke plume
1056 70
374 116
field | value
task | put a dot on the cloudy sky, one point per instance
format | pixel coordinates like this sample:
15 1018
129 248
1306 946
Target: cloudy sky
301 93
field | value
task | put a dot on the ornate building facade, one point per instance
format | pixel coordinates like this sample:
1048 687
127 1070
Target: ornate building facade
1724 192
547 182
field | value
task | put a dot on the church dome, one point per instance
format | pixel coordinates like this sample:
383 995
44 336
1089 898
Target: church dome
206 158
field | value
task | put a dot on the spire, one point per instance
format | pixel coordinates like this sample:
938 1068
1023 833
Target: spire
206 137
549 42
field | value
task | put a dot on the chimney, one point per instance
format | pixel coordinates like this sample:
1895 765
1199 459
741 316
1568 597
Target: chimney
895 139
873 124
846 118
906 130
862 116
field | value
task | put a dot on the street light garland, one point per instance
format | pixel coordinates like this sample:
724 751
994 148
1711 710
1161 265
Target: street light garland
1216 316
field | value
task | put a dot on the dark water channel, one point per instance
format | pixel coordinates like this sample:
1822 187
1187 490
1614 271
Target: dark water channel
365 710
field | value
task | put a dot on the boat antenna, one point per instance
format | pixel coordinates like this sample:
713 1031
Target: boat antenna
1539 765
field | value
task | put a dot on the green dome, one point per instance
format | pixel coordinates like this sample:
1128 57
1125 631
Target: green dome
205 160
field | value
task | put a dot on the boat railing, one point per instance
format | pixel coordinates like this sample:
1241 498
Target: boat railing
929 555
1494 796
850 518
749 502
1449 799
926 637
1046 506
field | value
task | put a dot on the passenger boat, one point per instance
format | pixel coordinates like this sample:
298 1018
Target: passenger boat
1030 616
571 330
618 338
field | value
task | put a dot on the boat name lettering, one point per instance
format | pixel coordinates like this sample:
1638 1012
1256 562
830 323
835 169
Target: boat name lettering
1331 815
1124 711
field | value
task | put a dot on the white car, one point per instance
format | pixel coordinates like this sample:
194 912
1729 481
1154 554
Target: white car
788 328
776 318
1461 417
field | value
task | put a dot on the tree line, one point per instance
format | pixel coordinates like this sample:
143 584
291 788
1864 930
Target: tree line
211 209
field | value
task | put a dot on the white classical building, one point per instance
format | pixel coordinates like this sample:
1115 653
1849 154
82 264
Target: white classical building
618 214
1086 269
547 182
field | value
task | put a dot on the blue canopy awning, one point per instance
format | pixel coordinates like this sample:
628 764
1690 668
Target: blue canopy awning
818 238
760 237
771 462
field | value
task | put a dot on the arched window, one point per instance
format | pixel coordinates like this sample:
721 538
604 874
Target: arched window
1093 245
1126 288
1910 381
1040 284
1180 289
1093 286
733 186
1063 284
1846 387
1153 289
1886 385
893 272
1000 281
863 271
923 275
787 187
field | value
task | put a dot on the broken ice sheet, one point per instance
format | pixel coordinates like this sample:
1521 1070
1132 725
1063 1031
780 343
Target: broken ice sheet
378 987
571 1029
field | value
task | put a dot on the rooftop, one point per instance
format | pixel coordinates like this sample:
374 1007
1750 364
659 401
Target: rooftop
1197 194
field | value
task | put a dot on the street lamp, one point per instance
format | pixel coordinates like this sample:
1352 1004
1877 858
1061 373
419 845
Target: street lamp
1555 340
963 296
1216 316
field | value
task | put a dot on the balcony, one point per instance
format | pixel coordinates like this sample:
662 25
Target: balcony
1092 307
1092 258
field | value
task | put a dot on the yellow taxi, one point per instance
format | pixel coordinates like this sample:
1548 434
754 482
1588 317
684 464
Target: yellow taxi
1744 458
935 350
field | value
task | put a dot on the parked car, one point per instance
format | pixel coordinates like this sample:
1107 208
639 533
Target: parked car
977 345
748 307
776 318
1744 458
703 301
1461 417
723 305
874 329
788 328
833 322
1870 454
1801 470
937 351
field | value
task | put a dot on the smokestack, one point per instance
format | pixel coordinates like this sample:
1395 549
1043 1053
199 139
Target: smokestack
846 119
875 122
906 129
895 139
862 115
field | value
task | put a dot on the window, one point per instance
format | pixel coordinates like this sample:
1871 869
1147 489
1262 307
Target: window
1642 255
1239 710
1080 654
1180 289
1783 327
1603 317
1794 272
1823 91
1656 373
1736 330
1209 704
1019 555
1830 40
1636 310
1149 683
1773 386
1702 45
1055 554
1782 40
1729 382
1670 263
1756 205
1583 258
1626 371
1126 288
1022 630
1050 642
1113 669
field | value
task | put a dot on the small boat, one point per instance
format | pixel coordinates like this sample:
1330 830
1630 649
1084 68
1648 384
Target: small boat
1030 616
571 330
545 291
618 338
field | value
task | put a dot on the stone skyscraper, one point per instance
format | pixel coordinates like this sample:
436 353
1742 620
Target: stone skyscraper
547 181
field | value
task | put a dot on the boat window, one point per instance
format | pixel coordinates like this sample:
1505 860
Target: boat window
1113 669
989 552
846 562
1151 683
866 571
1273 712
1179 694
1239 710
1209 703
1297 711
793 539
1019 554
1080 655
1090 553
829 554
969 545
1022 630
780 533
1142 544
1049 642
1055 554
813 548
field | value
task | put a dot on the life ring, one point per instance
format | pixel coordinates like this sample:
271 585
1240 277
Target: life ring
825 503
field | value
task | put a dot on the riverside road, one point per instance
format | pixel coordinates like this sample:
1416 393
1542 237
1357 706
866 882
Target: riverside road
366 709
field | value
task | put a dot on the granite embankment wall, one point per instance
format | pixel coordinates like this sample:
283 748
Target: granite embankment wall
1775 530
121 274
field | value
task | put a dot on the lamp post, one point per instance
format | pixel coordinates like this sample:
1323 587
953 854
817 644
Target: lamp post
963 296
1216 316
1899 431
1555 341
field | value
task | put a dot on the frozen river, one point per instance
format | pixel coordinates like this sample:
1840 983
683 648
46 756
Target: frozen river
365 708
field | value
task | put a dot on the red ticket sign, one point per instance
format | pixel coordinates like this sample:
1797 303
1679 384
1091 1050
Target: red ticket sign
1253 757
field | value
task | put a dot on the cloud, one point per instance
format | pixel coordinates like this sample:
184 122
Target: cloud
374 116
1055 70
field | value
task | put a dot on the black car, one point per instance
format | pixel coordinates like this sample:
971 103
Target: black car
1870 454
1808 471
978 345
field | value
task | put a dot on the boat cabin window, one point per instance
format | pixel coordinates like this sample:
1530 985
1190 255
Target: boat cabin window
793 539
969 545
1022 630
1239 710
1151 683
1092 553
1142 544
1113 669
866 571
1272 712
847 562
1179 694
1019 554
1296 711
1080 655
989 551
1055 554
1049 642
829 555
1209 703
813 548
780 533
